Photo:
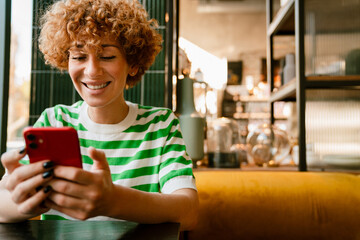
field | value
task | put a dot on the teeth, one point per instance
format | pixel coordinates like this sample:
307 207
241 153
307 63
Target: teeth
95 87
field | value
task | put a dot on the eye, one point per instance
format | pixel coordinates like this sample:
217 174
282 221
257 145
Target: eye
107 58
79 58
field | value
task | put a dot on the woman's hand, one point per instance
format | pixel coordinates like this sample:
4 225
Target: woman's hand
81 194
24 183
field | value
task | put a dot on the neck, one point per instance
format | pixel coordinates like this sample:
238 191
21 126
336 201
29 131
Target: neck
108 114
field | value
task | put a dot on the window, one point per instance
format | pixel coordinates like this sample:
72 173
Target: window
19 76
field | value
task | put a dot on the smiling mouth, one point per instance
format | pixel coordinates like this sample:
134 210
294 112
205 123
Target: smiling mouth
96 87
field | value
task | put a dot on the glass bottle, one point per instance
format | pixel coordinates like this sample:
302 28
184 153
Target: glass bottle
192 124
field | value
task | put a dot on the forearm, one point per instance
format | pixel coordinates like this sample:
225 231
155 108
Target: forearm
133 205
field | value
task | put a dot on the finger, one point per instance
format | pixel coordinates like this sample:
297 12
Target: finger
72 212
73 207
99 158
73 174
65 201
29 187
71 189
10 159
25 172
34 205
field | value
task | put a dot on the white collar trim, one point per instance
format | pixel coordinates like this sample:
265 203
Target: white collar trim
108 128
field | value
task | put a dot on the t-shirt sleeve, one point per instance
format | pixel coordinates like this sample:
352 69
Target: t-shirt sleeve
176 165
44 119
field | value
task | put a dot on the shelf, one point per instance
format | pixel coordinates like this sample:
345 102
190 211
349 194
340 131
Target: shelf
253 99
286 92
248 99
284 21
251 115
322 25
256 116
324 81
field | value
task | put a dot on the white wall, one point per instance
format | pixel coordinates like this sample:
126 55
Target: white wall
234 35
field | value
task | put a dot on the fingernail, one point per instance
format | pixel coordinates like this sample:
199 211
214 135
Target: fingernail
39 188
47 165
47 189
22 151
43 204
48 174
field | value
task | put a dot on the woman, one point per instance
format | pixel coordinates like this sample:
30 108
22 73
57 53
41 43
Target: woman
135 164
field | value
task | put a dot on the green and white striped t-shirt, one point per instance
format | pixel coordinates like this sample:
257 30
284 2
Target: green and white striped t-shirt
145 151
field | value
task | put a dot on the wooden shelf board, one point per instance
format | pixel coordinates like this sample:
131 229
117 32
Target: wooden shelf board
332 81
333 78
285 92
260 115
281 20
253 99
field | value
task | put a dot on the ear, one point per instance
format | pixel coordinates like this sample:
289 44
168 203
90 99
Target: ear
133 71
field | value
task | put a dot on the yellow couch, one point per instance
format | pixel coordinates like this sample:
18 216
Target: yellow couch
277 205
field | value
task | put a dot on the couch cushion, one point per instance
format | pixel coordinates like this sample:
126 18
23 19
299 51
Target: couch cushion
277 205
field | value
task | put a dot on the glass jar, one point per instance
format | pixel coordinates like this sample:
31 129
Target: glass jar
267 145
223 144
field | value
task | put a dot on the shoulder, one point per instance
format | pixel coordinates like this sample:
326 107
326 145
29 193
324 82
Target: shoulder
149 118
151 112
152 109
74 108
59 113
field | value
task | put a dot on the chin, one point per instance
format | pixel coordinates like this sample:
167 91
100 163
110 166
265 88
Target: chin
95 104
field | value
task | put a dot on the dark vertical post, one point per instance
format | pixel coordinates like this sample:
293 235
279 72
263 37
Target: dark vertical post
5 38
177 32
269 53
300 80
169 18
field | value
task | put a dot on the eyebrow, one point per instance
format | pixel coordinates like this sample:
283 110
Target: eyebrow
109 45
103 45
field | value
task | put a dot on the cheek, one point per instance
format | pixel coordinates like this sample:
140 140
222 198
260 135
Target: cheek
122 72
119 75
73 72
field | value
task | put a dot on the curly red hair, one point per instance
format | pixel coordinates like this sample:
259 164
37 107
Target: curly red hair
91 20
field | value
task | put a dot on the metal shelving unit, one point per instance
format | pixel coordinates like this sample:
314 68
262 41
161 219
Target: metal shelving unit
290 20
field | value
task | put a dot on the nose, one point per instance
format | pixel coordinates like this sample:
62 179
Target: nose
93 67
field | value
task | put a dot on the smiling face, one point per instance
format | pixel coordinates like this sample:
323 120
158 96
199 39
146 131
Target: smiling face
99 75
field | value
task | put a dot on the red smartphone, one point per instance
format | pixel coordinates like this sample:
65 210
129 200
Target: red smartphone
60 145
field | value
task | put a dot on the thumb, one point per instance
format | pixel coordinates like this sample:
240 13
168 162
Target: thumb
10 160
99 158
